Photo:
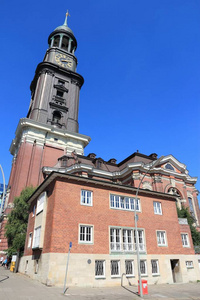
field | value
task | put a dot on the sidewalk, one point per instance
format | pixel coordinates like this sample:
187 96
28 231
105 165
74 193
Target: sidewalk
20 287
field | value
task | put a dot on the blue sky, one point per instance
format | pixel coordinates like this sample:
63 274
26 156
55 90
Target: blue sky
141 65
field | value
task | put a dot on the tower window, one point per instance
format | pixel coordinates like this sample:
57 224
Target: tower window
59 93
56 117
65 43
56 41
61 82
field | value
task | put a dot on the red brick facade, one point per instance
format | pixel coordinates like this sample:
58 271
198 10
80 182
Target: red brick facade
65 213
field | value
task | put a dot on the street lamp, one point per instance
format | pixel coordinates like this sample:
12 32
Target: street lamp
155 163
4 190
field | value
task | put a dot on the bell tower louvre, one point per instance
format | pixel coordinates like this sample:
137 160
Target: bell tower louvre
51 128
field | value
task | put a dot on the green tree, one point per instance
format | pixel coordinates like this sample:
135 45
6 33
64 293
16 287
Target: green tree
17 222
185 213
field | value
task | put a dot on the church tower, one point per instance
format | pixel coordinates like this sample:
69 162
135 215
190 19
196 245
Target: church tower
50 129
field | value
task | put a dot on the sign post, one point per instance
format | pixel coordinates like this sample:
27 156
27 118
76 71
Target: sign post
70 246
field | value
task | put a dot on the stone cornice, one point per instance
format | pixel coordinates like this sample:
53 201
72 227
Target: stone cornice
141 167
31 130
44 67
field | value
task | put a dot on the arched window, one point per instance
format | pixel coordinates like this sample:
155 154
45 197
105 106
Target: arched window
191 206
72 47
65 43
56 41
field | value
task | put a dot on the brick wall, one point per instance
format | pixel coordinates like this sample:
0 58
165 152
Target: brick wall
65 213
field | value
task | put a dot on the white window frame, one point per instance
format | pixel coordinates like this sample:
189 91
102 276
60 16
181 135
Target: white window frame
123 239
86 233
157 208
127 237
34 210
36 237
30 239
115 239
189 264
40 203
86 197
144 262
185 240
129 264
124 203
157 267
161 238
141 240
103 268
117 263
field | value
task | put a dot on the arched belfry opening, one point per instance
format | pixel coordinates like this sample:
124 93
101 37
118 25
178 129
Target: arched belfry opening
56 118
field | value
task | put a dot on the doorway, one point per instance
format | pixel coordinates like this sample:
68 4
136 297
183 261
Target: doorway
175 267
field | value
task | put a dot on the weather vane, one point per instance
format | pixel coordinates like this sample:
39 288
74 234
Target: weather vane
67 15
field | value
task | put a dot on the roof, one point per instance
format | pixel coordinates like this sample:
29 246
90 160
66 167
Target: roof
97 182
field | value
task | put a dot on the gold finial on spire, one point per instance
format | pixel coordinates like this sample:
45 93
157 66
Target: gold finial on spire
67 15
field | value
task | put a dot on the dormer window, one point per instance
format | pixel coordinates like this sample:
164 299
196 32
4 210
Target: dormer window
169 167
92 155
99 163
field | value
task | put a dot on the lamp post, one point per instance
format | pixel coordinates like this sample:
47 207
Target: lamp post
4 190
155 163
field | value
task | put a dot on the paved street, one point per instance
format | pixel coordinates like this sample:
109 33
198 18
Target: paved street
20 287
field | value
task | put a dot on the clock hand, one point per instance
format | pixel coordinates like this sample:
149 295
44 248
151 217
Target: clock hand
65 60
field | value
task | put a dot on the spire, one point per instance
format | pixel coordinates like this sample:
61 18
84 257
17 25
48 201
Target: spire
67 14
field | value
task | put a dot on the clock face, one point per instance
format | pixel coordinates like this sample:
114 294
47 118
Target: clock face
64 61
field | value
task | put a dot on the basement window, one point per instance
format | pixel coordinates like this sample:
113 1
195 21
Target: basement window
99 268
115 268
189 264
129 267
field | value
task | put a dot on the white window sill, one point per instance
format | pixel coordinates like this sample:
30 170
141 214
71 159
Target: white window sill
115 276
85 204
86 243
144 275
155 275
126 209
129 276
100 277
